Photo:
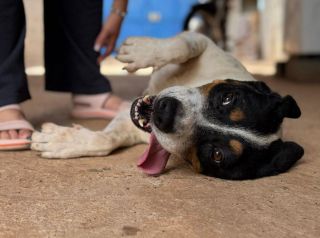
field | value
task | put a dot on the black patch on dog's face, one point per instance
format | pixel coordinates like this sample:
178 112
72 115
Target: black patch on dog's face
233 131
250 105
230 157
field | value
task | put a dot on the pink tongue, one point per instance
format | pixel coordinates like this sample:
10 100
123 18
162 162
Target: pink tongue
154 159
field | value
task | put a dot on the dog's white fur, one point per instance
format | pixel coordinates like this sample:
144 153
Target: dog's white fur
189 60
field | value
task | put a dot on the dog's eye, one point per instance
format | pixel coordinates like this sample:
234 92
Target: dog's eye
217 155
227 99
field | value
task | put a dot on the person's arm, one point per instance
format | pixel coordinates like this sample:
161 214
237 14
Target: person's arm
111 28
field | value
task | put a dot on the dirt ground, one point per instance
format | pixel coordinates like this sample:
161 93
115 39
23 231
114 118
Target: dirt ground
110 197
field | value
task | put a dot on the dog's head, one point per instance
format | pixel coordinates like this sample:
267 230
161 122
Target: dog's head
228 129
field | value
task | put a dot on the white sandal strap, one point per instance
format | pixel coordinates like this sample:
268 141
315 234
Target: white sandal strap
10 106
16 125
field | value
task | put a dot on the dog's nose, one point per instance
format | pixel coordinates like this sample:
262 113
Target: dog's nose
164 113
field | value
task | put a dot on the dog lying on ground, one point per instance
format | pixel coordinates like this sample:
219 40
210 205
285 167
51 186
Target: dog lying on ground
204 107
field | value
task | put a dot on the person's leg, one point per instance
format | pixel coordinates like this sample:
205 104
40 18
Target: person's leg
70 31
13 84
71 28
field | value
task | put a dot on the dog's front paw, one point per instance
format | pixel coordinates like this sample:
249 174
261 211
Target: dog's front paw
68 142
141 53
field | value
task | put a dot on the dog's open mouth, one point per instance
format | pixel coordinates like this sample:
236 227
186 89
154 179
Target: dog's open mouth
154 159
141 111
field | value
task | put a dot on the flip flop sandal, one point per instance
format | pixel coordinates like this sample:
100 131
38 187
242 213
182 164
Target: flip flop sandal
14 144
92 107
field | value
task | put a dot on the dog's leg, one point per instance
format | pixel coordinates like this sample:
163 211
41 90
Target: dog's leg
142 52
69 142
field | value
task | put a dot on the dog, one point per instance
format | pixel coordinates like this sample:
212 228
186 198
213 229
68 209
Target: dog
201 105
210 19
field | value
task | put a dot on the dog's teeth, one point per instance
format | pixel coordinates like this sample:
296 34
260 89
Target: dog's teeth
141 122
146 99
136 109
136 114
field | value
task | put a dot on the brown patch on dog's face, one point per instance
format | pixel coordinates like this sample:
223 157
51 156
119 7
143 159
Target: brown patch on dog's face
193 160
208 87
237 115
236 147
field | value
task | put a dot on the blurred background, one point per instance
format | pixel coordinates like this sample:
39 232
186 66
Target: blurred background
268 36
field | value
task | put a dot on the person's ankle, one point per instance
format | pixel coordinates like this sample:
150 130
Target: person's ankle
11 114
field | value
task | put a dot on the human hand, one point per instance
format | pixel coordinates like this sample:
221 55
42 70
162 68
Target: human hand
108 36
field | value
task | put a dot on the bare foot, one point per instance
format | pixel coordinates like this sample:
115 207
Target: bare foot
10 115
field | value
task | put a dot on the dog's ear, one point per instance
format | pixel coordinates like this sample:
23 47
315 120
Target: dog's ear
288 107
283 155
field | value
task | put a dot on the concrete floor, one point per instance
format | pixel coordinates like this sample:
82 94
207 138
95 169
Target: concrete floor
110 197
